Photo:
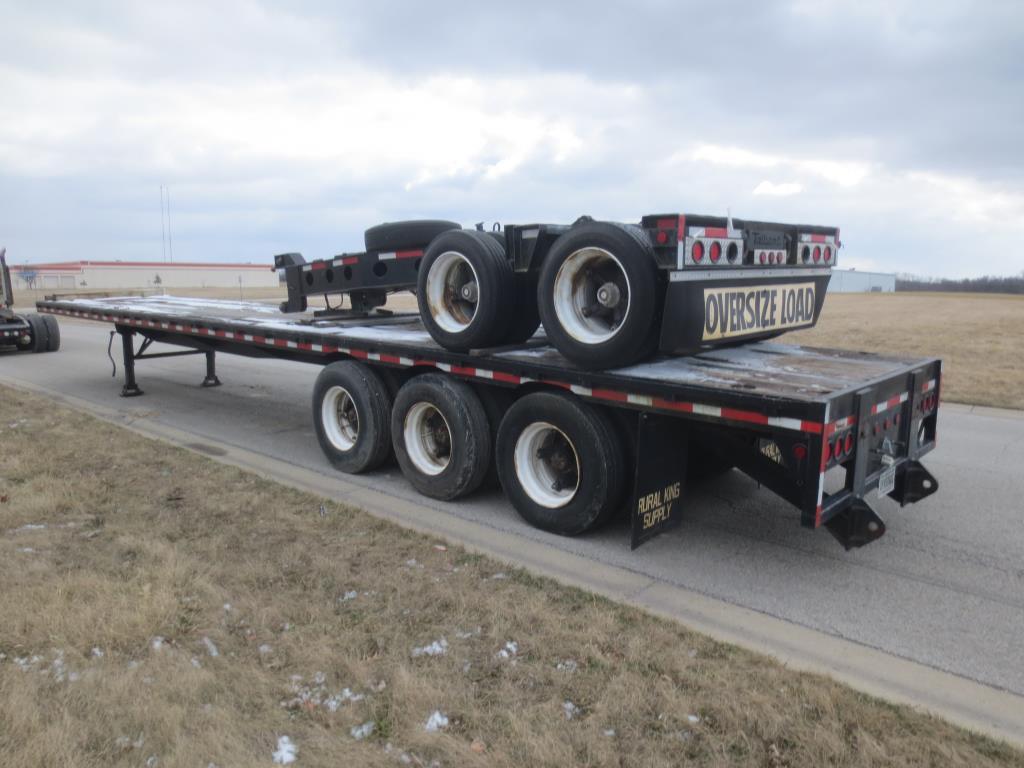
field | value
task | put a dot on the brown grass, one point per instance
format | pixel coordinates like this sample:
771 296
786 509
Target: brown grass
144 541
980 337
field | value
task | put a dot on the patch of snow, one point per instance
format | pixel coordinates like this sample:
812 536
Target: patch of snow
436 722
31 527
196 663
158 643
286 751
227 607
27 663
693 718
567 666
152 761
509 651
264 649
411 563
333 703
97 652
499 576
360 732
436 648
464 635
570 710
26 550
350 595
440 547
609 732
211 648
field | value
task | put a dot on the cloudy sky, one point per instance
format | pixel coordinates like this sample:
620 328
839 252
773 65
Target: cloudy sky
293 126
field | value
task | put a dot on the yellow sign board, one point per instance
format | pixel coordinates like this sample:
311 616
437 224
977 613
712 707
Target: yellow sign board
741 311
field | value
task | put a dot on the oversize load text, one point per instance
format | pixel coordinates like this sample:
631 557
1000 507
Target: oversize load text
740 311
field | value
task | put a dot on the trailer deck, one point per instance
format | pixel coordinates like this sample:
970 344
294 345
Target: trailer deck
796 399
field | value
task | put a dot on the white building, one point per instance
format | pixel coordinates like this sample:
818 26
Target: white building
135 275
855 281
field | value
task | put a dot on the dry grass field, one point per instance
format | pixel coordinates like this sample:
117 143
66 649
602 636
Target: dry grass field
163 610
980 337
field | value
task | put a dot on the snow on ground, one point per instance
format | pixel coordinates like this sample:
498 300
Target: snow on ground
567 666
286 751
509 651
436 722
436 648
210 647
360 732
570 710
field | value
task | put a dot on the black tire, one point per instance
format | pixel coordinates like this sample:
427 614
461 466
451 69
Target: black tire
400 235
52 333
564 428
351 387
39 332
456 260
608 337
496 402
448 450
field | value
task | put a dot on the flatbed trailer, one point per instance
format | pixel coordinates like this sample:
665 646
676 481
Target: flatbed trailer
787 416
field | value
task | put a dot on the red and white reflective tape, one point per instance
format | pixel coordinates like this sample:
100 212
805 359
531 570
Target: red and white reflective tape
722 233
595 393
929 385
824 239
892 402
392 255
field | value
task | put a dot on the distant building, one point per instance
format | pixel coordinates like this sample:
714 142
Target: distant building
855 281
123 275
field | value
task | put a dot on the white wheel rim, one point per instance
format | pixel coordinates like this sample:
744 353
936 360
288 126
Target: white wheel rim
579 281
428 439
340 418
450 277
547 465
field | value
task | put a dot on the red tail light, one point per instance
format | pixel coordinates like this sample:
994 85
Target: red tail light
828 254
698 251
837 448
716 252
817 254
763 257
799 452
662 237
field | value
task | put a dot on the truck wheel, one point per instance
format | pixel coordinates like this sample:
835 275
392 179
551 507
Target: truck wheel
39 332
441 436
351 407
598 295
52 333
496 402
560 463
400 235
464 290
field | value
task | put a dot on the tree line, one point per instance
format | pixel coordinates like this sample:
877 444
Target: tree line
987 284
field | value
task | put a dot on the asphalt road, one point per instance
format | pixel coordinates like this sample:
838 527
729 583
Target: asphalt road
944 587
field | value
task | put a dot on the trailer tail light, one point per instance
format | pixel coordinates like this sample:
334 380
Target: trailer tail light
764 257
848 445
661 237
828 254
817 254
697 254
715 252
799 452
837 448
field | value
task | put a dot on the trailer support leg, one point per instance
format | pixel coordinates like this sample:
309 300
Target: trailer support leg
856 526
130 388
211 379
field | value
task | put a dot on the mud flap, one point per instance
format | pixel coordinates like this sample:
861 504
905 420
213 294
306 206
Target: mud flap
660 476
856 525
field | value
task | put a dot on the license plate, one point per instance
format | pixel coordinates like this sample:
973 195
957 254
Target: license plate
887 481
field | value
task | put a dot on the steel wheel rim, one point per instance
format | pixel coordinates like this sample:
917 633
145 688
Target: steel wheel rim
547 465
450 278
340 418
578 284
428 439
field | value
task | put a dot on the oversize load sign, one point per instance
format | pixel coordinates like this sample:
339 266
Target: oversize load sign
754 309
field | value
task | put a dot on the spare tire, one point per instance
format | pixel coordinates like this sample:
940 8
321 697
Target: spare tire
403 235
598 295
